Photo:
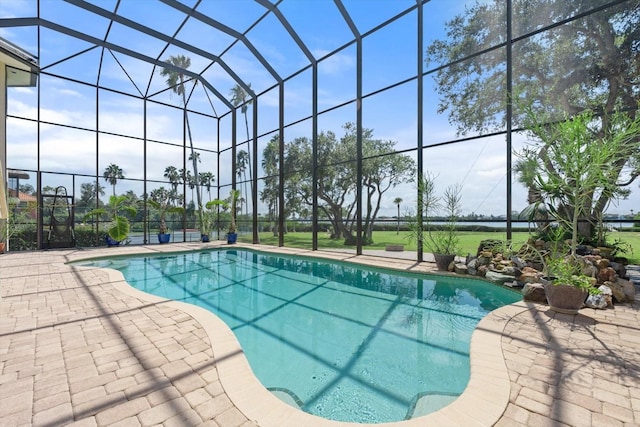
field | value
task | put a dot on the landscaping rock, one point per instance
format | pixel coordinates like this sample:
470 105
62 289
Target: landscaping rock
472 267
617 291
490 246
620 269
534 292
590 270
628 289
606 274
460 268
529 275
514 284
608 295
596 301
518 263
484 260
498 278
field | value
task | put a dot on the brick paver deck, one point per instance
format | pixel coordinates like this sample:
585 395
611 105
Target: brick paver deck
79 347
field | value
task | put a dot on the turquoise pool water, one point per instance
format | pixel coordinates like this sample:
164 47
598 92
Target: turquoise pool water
347 343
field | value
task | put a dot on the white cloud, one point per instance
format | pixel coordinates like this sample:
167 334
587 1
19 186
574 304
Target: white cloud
335 64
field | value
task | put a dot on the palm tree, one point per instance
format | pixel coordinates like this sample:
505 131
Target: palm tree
195 155
112 174
207 179
242 164
175 80
191 181
172 174
239 97
397 201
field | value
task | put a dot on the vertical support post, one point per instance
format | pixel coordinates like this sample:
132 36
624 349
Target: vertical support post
218 186
281 177
233 149
145 217
97 165
184 169
40 222
254 166
358 144
314 172
509 114
420 130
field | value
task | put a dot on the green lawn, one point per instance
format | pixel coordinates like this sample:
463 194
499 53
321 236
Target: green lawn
469 240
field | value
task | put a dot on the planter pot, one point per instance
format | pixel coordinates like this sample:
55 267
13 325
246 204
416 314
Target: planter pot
164 237
443 261
232 238
1 247
565 298
110 241
204 238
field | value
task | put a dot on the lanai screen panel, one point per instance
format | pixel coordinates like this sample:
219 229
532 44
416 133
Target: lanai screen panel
142 84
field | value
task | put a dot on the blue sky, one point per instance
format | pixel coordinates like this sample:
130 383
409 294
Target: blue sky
389 55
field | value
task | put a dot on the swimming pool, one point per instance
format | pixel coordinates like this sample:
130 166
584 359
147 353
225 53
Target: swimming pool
345 342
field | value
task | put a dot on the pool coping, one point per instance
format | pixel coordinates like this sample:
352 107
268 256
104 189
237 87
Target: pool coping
482 403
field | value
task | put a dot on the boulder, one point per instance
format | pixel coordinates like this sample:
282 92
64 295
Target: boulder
607 274
534 292
498 278
517 262
510 270
529 275
514 284
617 291
596 301
590 270
605 290
460 268
489 245
482 270
583 250
483 260
620 269
608 295
472 266
628 289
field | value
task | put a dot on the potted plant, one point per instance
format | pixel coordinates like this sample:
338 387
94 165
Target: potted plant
206 224
119 227
567 288
442 240
232 235
162 203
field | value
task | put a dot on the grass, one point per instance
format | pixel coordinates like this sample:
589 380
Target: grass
469 241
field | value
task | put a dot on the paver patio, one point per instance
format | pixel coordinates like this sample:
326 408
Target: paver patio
79 347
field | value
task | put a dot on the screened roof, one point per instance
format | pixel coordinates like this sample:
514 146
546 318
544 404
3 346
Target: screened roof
254 44
411 71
